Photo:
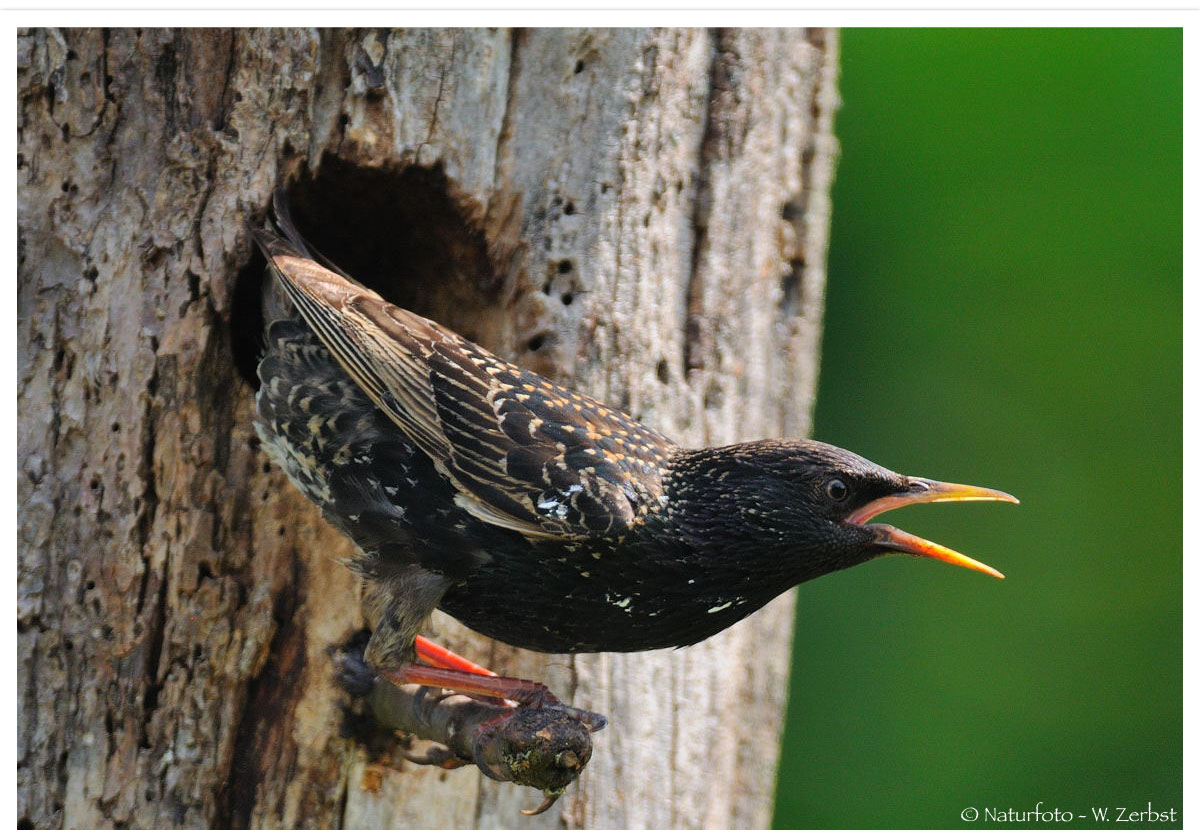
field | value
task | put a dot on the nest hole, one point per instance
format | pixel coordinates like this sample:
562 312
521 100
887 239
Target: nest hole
407 233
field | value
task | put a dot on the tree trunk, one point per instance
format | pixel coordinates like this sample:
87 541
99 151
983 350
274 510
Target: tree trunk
639 214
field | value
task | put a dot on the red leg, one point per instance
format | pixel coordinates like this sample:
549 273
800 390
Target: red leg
454 673
523 692
435 655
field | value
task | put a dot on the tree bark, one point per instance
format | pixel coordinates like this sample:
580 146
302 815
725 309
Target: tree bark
641 214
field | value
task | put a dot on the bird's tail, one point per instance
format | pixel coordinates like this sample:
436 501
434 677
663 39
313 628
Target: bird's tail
287 238
281 218
279 236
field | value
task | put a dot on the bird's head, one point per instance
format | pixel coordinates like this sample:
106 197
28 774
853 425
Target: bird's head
812 503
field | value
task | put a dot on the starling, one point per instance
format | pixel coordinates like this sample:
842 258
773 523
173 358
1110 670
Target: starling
533 514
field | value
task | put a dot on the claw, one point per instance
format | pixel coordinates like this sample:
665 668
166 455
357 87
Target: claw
594 721
547 801
431 753
436 757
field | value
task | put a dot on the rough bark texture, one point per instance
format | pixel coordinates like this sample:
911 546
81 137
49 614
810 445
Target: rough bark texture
640 214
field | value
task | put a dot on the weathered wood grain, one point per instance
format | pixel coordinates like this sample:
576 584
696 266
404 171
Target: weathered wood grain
641 214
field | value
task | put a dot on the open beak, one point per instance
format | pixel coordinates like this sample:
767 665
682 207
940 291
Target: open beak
925 491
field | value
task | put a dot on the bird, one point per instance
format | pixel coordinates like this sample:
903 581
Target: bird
533 514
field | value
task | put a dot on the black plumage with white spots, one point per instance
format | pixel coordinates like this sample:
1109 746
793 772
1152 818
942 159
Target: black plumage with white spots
536 515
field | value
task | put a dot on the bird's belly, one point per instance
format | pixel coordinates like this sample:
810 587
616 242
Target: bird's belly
588 600
364 474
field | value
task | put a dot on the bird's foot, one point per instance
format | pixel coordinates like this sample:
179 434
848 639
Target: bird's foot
513 730
353 672
419 751
444 666
524 693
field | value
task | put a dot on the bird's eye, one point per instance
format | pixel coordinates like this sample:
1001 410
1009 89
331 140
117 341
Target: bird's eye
837 490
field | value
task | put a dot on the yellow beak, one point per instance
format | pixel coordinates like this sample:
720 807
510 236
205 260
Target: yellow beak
926 491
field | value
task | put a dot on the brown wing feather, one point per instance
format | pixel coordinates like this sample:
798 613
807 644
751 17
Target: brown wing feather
523 452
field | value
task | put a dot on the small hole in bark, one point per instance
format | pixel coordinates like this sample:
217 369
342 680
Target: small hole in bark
91 585
565 266
537 342
791 297
568 298
116 427
94 484
578 67
281 530
663 371
569 209
714 397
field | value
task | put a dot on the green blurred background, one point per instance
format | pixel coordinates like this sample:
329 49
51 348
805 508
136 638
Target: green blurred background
1005 309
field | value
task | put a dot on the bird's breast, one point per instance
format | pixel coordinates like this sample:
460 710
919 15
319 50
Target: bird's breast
619 595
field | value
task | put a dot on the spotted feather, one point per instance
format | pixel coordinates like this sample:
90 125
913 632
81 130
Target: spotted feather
522 452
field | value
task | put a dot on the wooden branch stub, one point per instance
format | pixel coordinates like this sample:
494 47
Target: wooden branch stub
543 747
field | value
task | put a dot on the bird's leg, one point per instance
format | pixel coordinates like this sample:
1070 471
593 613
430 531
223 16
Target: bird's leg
521 692
526 694
435 655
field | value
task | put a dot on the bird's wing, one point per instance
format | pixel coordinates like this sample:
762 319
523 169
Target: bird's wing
522 452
